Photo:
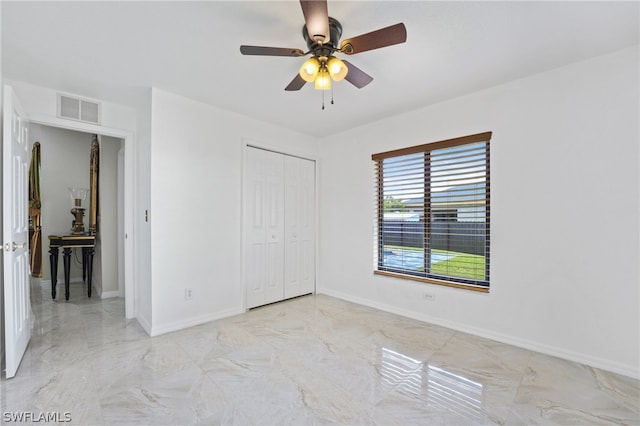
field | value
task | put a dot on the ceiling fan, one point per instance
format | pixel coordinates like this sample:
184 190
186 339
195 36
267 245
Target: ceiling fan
322 34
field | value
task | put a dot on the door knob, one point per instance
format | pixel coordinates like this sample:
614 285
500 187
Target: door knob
14 246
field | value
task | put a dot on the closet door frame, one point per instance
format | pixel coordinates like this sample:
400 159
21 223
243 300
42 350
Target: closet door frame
248 144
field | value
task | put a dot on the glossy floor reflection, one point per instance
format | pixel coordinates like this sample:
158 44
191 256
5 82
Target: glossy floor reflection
311 360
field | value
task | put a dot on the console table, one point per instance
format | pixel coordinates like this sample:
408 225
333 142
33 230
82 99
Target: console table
68 242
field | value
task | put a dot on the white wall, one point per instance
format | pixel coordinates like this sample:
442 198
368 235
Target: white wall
564 213
39 102
196 170
142 229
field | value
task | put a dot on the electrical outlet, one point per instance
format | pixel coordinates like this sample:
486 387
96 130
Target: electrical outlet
187 294
428 296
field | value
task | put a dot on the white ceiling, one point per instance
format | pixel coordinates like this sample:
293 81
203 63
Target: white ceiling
113 50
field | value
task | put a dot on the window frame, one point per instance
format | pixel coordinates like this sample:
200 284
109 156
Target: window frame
426 149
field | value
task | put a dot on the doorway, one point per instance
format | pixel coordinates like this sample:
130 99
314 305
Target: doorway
126 194
65 158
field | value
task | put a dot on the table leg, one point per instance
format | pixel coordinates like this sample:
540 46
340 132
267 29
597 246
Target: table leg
53 262
89 261
84 264
66 258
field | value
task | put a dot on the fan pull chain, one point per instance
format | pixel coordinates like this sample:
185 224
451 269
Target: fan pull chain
323 97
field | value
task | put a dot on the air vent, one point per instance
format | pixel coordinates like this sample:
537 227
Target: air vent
78 109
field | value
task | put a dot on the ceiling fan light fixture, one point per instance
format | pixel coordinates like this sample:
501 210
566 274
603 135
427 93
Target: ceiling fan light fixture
337 69
309 70
323 80
322 34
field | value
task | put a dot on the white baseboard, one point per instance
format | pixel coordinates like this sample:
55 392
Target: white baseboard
146 325
604 364
109 294
180 325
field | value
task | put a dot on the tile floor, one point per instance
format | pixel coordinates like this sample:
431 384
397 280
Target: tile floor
311 360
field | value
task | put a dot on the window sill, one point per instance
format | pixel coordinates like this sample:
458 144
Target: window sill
434 281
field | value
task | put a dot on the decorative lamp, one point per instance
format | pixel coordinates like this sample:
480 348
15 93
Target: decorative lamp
78 195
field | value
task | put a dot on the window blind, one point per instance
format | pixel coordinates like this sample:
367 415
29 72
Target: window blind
433 212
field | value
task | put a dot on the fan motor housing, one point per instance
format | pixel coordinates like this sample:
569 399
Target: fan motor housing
326 49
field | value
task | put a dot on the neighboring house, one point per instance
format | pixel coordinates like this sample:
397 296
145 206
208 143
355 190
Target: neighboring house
453 203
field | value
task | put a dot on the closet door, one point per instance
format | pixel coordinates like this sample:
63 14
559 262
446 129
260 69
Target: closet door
292 197
308 226
263 221
299 265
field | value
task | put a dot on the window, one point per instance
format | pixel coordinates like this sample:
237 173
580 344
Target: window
432 215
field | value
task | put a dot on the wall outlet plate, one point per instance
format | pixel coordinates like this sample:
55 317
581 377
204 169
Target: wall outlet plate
429 296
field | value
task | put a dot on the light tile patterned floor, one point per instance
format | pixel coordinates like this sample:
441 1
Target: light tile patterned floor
311 360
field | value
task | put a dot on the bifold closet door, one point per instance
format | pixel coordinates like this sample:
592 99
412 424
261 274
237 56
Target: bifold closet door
299 233
279 224
264 227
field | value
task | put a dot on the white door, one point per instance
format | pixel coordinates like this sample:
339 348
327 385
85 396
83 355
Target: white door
299 223
263 227
307 227
292 286
15 231
274 223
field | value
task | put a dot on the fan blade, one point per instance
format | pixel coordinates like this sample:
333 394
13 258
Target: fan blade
270 51
296 84
316 18
356 76
388 36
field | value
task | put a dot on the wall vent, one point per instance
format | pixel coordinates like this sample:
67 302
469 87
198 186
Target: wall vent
78 109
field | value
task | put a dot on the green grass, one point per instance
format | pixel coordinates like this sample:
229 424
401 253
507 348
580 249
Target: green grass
390 247
462 265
